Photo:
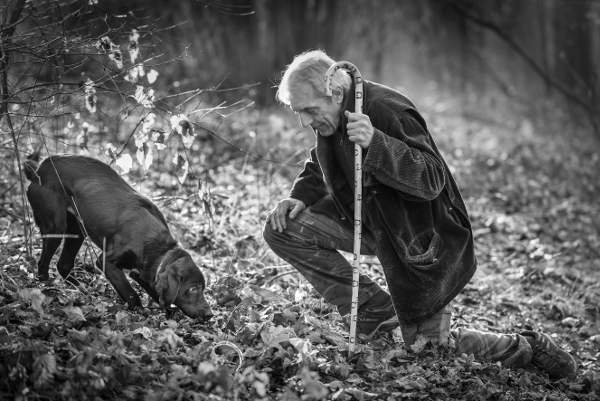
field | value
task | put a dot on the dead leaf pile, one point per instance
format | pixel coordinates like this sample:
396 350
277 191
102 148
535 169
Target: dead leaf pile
534 211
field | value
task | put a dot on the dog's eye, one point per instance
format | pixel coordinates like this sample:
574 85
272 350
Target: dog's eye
192 290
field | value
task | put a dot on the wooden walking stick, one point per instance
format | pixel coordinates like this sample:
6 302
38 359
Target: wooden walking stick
358 98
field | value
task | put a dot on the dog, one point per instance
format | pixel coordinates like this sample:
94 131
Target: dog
76 196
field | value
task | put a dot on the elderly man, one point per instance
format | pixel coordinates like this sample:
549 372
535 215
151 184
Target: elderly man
414 219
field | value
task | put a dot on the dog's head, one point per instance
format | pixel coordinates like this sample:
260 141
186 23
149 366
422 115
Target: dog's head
179 281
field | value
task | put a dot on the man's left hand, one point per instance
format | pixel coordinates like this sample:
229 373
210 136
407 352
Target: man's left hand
359 128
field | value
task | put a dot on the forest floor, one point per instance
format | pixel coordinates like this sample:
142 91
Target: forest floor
533 201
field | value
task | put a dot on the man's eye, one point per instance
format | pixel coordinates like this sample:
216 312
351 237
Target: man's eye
312 111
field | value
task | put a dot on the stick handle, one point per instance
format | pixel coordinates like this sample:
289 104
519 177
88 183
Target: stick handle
358 101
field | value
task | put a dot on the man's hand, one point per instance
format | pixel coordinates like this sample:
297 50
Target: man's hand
359 127
277 218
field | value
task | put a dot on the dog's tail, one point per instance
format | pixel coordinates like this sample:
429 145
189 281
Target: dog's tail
30 166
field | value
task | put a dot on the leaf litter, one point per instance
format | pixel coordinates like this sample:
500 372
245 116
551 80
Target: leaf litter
534 212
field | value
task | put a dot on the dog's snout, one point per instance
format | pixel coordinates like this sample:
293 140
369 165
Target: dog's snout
203 317
200 312
206 312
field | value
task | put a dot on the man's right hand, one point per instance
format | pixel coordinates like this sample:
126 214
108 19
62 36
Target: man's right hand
277 218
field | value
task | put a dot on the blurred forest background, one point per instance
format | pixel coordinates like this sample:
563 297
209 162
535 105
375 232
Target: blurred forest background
485 55
178 96
480 59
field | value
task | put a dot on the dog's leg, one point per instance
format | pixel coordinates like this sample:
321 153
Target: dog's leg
170 311
121 285
147 287
50 214
49 247
70 249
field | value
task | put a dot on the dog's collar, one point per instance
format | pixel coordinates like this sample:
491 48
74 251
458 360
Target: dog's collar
161 264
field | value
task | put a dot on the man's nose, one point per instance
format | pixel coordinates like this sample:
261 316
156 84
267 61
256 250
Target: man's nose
305 119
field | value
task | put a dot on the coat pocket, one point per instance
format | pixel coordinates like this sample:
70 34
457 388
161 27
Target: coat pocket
420 251
424 250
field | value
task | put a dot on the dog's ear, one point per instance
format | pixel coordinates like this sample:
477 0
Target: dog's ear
168 283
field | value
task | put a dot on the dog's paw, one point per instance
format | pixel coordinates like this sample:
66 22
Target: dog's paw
171 312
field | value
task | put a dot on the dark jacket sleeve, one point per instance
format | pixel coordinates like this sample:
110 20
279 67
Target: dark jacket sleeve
401 153
309 186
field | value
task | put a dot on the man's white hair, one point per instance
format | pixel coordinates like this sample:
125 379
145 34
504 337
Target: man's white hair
310 68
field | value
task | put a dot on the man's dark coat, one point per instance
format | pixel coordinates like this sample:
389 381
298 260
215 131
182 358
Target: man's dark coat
411 204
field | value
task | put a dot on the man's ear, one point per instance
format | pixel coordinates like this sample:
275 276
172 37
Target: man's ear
337 95
168 283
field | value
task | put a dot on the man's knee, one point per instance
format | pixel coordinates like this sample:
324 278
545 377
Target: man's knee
292 234
269 234
273 237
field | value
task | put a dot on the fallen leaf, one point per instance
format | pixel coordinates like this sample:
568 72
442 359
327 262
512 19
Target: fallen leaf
74 313
122 317
262 295
570 322
273 336
35 297
44 368
359 394
169 337
412 382
419 345
144 332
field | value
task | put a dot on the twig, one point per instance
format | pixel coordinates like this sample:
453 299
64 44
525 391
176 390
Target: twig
279 276
231 345
131 135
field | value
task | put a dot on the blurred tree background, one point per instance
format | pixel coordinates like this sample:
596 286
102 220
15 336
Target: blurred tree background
537 57
512 63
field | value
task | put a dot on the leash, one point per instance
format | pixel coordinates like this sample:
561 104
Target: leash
358 98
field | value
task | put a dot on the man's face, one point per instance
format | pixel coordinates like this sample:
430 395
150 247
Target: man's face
321 113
